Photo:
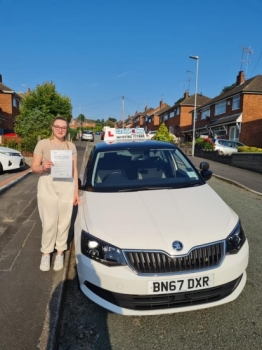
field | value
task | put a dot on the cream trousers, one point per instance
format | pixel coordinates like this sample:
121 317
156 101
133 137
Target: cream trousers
55 205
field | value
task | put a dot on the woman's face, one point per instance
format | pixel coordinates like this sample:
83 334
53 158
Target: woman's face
59 128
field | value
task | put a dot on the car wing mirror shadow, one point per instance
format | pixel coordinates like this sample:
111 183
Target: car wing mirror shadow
80 186
205 172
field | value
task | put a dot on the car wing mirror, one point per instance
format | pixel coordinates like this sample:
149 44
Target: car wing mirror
205 172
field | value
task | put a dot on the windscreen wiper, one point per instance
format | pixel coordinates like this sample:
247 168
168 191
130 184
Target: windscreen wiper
145 189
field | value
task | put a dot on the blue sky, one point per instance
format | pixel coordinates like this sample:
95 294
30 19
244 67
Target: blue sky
96 51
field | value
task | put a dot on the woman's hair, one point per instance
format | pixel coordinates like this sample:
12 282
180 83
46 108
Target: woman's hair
60 118
67 124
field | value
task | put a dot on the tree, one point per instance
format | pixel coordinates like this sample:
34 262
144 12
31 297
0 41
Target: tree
81 118
39 108
163 134
227 88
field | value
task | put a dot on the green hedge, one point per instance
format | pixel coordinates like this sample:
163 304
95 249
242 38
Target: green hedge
249 149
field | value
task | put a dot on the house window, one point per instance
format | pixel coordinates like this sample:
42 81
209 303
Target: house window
236 102
220 108
205 114
165 117
177 111
172 114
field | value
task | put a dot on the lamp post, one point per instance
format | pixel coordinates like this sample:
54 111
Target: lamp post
194 118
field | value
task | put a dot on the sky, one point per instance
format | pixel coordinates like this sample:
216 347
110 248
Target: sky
114 57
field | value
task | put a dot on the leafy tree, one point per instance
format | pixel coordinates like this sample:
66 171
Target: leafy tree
81 118
39 108
227 88
163 134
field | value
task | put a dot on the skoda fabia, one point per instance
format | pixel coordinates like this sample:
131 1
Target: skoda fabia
147 237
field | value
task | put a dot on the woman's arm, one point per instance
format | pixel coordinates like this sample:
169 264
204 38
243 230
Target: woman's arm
38 166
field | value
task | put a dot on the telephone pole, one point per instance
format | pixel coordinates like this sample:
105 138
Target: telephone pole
123 110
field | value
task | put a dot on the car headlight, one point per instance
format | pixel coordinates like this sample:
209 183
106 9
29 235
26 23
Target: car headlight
101 251
11 154
235 240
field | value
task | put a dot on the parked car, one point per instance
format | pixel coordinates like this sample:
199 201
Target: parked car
227 147
151 134
87 135
147 237
97 132
102 135
10 159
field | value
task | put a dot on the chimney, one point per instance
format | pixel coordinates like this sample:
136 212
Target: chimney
28 91
240 78
146 107
1 78
160 103
186 94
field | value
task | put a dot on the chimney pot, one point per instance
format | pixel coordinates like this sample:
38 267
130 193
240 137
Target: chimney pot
1 78
240 78
186 94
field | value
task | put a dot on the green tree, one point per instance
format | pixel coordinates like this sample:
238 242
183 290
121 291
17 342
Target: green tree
227 88
81 118
163 134
39 108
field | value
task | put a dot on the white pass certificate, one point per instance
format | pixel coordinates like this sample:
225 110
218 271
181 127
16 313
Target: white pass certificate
63 165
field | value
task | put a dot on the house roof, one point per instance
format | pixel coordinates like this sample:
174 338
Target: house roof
225 120
190 101
159 111
6 89
252 85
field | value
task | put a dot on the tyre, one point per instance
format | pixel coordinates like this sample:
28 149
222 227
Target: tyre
1 169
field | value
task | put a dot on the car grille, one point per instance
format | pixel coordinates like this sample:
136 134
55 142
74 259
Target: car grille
160 262
166 301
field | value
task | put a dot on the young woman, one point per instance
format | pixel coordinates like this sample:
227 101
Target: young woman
55 197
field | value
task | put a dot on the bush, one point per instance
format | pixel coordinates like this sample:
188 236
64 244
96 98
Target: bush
204 143
12 143
29 142
249 149
73 133
163 134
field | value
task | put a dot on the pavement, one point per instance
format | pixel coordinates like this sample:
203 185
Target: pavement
31 301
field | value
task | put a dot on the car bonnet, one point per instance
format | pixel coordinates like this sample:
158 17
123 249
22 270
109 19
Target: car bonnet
155 219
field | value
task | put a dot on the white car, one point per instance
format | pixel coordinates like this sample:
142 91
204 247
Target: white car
227 147
151 134
10 159
87 135
151 236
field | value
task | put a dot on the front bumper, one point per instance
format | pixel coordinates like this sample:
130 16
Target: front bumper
120 290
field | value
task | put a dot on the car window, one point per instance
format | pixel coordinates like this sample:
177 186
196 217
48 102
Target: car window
130 169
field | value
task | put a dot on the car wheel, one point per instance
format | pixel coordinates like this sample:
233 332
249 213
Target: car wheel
1 169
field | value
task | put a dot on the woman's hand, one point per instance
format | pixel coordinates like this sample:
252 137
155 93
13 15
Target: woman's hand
76 199
46 165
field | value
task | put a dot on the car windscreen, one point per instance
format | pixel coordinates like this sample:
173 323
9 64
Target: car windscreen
141 169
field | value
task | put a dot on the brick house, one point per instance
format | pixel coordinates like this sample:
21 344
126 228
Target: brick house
139 117
235 114
9 108
151 119
178 118
74 124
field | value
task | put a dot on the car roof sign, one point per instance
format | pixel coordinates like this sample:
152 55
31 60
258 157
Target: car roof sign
128 134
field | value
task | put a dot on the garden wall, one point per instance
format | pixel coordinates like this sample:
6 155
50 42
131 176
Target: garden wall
248 161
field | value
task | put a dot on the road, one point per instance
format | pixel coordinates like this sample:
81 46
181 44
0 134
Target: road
237 325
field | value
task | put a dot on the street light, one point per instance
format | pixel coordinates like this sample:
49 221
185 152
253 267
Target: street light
194 119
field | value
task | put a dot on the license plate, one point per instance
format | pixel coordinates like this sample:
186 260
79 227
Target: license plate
180 285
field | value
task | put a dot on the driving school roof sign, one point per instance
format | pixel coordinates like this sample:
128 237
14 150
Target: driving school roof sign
112 134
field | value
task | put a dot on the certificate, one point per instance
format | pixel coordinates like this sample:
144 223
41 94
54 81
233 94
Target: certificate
62 167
